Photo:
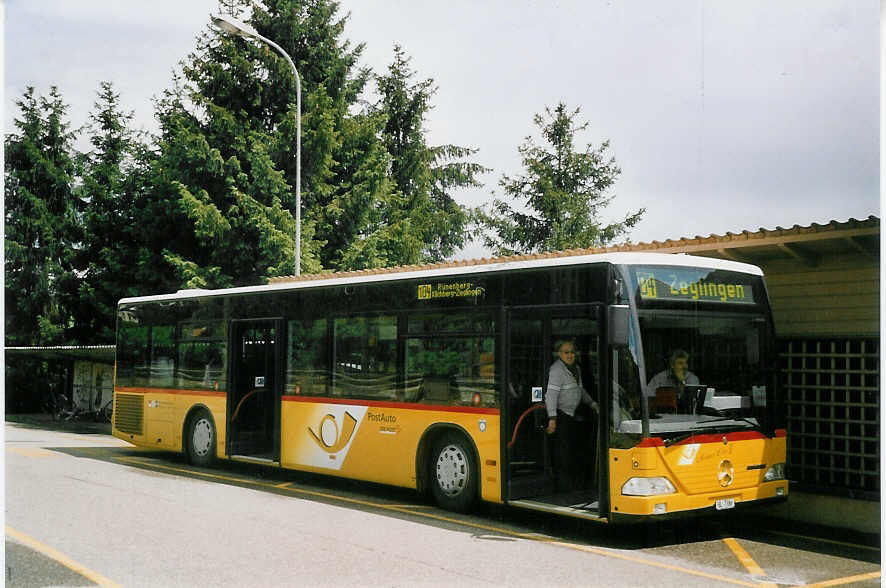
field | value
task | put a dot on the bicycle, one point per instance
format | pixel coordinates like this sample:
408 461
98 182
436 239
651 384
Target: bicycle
103 414
56 403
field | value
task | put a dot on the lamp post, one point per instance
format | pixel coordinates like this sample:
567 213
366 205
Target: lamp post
233 26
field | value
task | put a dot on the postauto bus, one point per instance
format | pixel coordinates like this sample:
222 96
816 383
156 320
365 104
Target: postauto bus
434 378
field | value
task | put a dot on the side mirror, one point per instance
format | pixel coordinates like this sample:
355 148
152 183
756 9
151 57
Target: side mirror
619 319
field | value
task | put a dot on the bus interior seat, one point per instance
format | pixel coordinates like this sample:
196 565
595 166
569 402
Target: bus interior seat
436 390
666 400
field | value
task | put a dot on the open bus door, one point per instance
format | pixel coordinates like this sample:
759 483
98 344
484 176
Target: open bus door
531 453
253 412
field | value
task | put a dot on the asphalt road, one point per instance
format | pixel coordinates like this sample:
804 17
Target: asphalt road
88 509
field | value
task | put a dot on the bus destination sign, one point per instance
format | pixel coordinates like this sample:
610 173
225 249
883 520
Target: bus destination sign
691 285
456 290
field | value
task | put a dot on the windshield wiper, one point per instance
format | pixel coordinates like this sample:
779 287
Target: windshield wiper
756 426
695 430
679 438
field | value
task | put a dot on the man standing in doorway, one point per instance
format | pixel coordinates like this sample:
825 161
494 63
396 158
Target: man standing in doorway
563 396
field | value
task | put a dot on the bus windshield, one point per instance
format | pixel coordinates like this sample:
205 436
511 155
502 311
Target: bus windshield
706 338
704 370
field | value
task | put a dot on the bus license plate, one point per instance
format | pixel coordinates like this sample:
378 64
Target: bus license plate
725 503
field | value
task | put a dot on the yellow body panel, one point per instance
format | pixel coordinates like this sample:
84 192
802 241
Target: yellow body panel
375 443
702 473
164 417
379 443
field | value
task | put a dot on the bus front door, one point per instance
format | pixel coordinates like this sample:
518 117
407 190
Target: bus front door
254 396
534 471
529 460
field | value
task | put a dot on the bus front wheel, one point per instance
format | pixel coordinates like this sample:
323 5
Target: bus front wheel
453 473
200 438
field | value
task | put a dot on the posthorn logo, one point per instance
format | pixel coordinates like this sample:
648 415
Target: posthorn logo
726 475
331 438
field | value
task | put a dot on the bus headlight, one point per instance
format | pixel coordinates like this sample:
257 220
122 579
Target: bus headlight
647 487
776 472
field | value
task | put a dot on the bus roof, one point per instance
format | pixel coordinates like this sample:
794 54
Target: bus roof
460 268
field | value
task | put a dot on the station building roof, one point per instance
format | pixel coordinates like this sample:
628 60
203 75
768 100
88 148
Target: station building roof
804 243
93 353
807 244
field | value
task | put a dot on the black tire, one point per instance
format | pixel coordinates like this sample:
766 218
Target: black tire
453 473
200 439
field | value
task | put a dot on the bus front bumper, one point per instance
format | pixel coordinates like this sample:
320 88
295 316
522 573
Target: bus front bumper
670 505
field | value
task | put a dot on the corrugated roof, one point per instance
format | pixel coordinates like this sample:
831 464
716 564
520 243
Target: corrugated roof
872 222
97 353
823 230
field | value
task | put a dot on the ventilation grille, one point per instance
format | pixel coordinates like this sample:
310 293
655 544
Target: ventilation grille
129 410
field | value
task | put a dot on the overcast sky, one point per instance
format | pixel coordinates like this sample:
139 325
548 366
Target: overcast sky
723 115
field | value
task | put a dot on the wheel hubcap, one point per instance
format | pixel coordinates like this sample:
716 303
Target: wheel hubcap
452 470
202 438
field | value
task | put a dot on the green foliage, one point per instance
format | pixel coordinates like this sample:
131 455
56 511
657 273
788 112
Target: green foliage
561 193
107 258
419 221
228 150
210 202
41 221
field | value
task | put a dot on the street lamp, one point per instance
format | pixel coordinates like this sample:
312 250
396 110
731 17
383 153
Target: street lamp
233 26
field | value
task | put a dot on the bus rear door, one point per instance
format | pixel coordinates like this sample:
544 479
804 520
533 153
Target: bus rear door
253 430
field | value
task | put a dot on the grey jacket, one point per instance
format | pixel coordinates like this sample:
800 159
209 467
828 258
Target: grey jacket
565 391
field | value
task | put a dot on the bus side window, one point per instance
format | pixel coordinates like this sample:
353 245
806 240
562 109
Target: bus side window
365 357
451 370
307 364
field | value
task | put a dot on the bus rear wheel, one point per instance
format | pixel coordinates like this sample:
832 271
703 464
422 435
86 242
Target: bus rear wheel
200 439
453 473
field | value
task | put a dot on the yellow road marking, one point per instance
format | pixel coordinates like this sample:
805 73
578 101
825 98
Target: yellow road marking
842 581
490 528
283 485
746 560
59 557
33 451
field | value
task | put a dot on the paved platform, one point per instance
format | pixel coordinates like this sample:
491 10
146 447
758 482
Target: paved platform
844 515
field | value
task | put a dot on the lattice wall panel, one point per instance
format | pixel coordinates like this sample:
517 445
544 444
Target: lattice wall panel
833 399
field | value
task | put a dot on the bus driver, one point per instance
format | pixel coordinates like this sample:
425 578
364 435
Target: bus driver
675 378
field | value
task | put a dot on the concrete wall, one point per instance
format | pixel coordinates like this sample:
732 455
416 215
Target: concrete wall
862 516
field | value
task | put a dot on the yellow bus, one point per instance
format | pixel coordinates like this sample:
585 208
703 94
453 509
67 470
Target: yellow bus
435 378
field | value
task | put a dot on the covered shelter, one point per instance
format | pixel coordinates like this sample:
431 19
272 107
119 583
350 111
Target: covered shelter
83 373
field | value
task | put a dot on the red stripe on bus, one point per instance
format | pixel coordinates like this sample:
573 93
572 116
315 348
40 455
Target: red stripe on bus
718 437
386 404
712 438
122 390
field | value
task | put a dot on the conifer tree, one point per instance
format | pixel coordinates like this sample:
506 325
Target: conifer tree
227 150
420 221
108 259
559 197
41 221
